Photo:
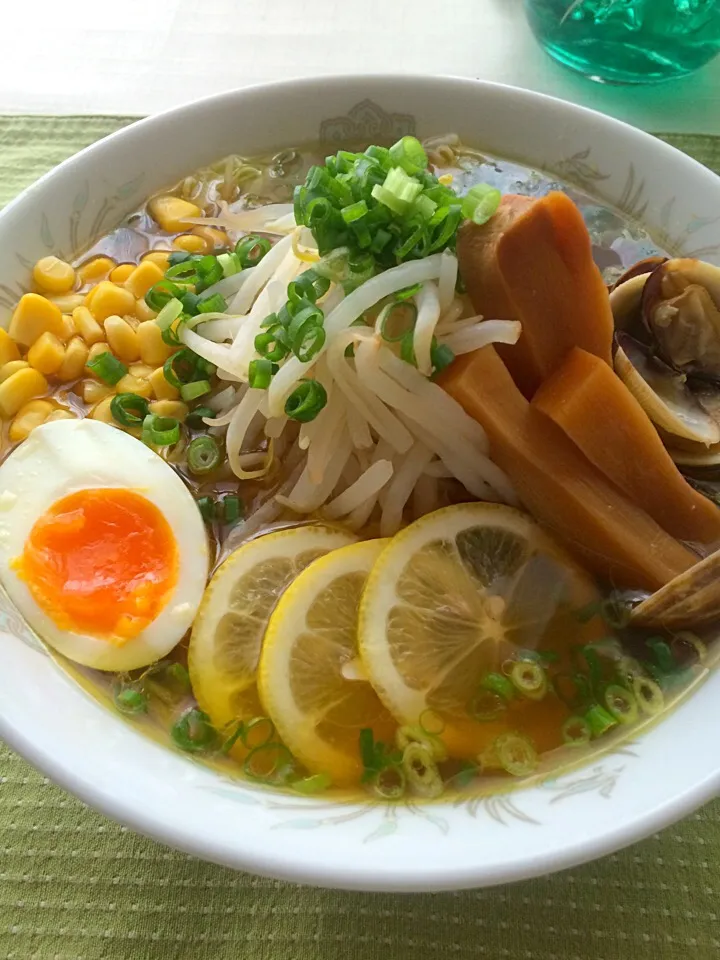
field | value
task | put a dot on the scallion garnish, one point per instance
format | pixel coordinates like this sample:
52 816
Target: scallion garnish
306 401
421 771
576 731
378 760
169 313
203 456
191 391
497 683
480 203
130 699
529 679
162 293
599 720
441 356
194 419
232 509
649 695
230 264
397 319
251 249
621 703
129 409
215 303
260 373
486 706
409 154
107 368
272 345
194 732
182 367
271 763
308 786
160 431
206 506
516 753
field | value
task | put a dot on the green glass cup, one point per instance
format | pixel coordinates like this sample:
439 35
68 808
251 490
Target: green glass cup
628 41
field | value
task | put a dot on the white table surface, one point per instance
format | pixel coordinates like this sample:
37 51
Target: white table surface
142 56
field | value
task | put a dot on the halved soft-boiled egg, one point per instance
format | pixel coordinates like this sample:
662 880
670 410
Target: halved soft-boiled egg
102 547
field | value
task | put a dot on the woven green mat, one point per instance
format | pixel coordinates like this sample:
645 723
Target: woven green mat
75 886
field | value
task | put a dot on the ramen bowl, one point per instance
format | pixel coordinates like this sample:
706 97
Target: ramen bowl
613 799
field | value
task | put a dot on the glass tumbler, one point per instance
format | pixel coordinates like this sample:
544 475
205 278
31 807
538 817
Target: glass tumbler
628 41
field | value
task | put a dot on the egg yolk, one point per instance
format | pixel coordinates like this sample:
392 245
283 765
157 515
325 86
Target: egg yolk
101 562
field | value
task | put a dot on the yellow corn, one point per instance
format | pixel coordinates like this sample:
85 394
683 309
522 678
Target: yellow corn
11 367
92 391
54 275
87 326
142 278
131 384
214 239
24 385
33 316
29 416
170 408
103 413
68 301
76 356
68 331
153 349
162 389
109 299
172 212
46 354
160 257
143 311
190 243
122 339
8 348
120 273
61 415
96 269
95 350
141 370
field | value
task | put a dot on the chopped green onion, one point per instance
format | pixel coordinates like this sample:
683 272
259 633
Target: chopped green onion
409 154
169 314
162 293
516 754
441 356
185 271
191 391
308 343
107 368
271 763
190 301
182 367
576 731
272 345
178 256
130 700
486 706
206 506
232 509
195 418
203 456
396 320
431 722
160 431
407 348
308 786
684 643
627 669
649 696
480 203
621 703
662 653
389 783
408 292
215 303
529 679
599 720
258 732
230 264
260 373
170 334
209 272
194 732
421 771
306 401
414 733
497 683
129 409
251 249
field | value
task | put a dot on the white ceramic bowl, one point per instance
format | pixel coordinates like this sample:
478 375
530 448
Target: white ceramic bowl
96 755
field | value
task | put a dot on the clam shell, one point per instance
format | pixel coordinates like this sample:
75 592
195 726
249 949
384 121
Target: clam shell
689 600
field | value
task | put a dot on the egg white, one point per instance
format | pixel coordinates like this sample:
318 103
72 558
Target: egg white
63 457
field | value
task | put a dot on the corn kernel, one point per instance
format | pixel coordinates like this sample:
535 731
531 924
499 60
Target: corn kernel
68 330
131 384
160 257
103 413
28 417
143 277
141 370
214 239
109 299
96 269
170 213
76 356
8 348
143 311
123 339
11 367
92 391
68 301
87 326
61 415
46 354
120 273
22 386
153 349
161 387
90 296
170 408
190 243
54 275
96 349
33 316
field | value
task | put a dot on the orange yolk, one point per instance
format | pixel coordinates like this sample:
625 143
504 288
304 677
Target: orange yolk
101 562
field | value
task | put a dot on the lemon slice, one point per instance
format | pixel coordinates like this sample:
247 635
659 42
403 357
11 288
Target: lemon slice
309 678
231 621
453 597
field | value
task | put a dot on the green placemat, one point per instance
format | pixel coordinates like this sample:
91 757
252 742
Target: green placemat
75 886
